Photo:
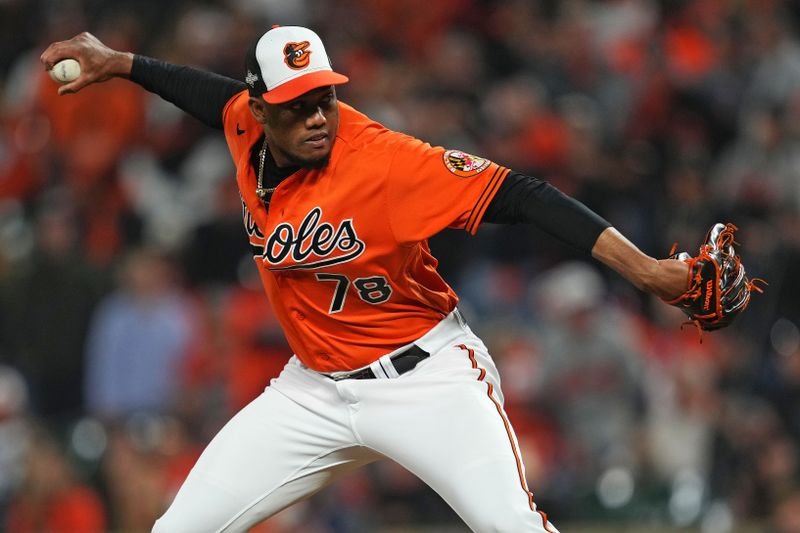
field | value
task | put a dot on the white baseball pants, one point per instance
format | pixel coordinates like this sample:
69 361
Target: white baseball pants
443 421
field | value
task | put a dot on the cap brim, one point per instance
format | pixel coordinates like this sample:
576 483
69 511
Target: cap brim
301 85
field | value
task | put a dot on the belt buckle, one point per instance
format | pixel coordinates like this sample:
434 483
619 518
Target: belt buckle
413 351
368 374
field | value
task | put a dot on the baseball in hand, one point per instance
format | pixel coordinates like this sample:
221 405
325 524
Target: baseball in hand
65 71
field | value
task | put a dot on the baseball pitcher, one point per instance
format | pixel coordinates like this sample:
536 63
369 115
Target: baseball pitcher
338 210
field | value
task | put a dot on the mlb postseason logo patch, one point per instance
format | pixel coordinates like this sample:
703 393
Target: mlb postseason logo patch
251 79
463 164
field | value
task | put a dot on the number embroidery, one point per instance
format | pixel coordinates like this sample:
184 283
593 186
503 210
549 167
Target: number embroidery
373 290
341 290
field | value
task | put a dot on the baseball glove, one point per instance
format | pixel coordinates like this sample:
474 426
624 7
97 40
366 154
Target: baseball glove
718 288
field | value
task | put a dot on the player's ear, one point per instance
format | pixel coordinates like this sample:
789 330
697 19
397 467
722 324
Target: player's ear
258 108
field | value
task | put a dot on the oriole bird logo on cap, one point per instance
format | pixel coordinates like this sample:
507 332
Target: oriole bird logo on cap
297 55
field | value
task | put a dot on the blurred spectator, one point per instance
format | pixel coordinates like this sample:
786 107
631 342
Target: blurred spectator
404 500
148 458
781 377
222 233
138 339
786 517
52 499
682 406
762 168
589 371
774 48
744 430
680 389
87 142
14 434
46 302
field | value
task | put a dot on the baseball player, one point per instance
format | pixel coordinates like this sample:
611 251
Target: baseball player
338 210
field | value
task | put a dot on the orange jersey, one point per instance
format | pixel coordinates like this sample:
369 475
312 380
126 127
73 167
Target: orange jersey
342 250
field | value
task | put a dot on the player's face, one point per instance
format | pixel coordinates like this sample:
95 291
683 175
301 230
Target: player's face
301 131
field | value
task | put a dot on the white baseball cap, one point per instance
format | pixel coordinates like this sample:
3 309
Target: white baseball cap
286 62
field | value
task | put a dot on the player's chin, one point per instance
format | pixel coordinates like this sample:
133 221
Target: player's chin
314 157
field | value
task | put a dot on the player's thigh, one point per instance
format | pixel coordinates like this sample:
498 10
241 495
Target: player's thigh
201 506
271 454
457 438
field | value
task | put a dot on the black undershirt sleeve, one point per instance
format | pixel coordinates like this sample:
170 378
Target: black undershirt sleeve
524 199
201 94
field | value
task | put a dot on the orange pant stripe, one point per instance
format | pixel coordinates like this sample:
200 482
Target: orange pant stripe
490 389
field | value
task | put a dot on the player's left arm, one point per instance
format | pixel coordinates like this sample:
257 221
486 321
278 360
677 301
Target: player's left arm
525 199
666 278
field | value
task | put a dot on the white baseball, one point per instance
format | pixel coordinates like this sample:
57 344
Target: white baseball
66 70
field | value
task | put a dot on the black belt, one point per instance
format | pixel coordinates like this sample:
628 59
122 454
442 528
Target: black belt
402 363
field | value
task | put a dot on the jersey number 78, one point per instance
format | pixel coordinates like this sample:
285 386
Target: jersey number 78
373 290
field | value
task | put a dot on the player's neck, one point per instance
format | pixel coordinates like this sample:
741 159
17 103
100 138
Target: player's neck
273 174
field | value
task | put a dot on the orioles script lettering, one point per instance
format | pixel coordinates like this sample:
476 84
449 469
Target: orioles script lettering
314 244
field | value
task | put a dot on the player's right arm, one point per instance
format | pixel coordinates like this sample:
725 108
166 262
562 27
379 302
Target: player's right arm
201 94
98 62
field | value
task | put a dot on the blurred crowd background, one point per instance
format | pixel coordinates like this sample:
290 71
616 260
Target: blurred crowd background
132 325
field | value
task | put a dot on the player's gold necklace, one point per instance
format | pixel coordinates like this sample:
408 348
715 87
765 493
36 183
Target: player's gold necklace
261 191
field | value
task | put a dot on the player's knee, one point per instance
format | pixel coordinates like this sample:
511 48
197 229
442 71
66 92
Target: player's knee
165 525
160 526
514 522
172 523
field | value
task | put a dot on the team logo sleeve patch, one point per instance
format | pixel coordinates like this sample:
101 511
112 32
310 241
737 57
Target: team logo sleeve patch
464 165
421 176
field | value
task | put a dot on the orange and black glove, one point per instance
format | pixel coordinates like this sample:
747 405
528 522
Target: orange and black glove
718 288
